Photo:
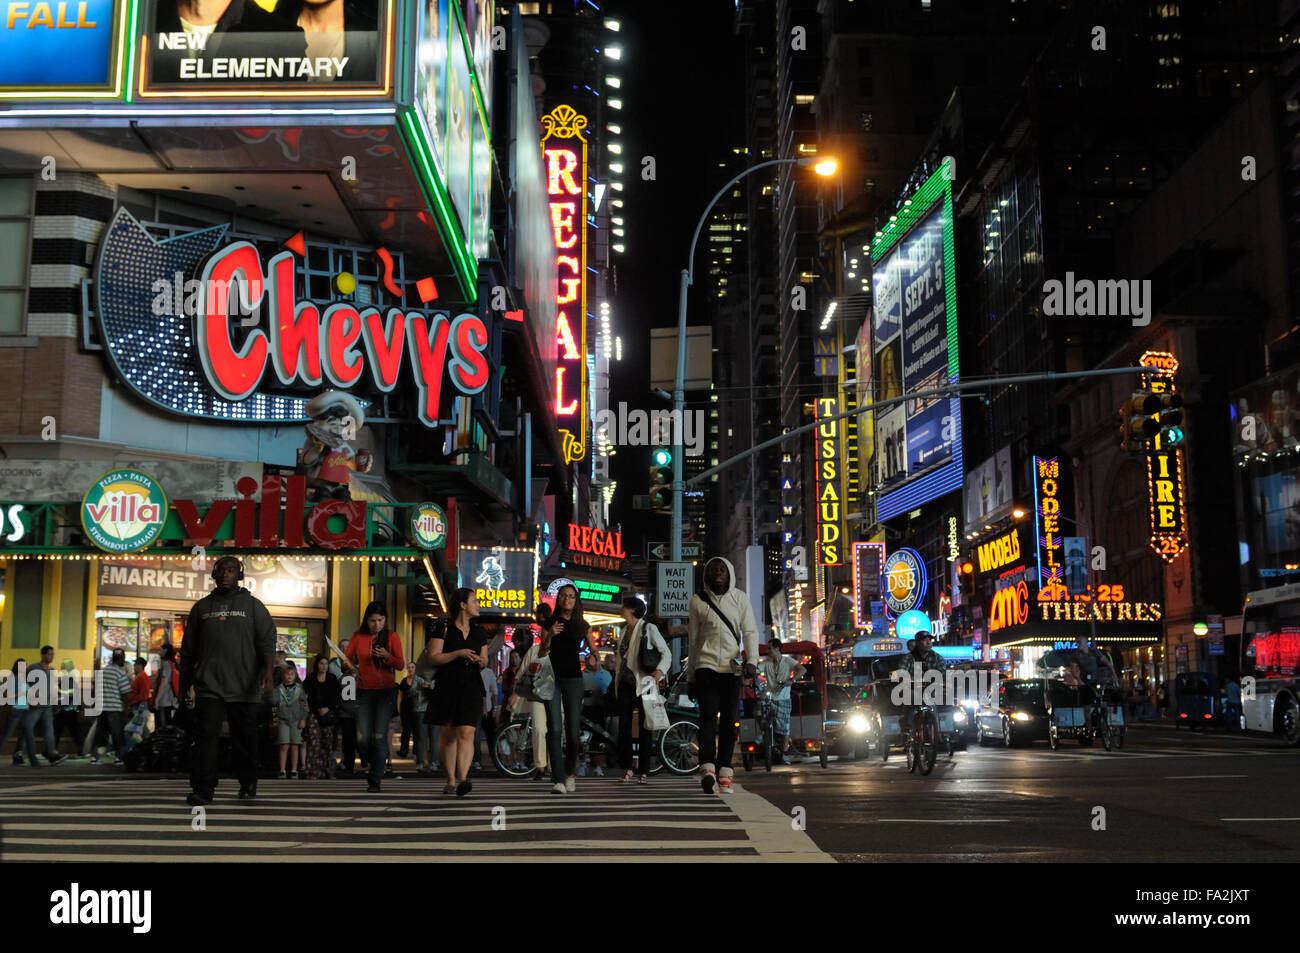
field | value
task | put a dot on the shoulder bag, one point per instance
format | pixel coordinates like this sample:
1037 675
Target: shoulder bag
647 656
736 663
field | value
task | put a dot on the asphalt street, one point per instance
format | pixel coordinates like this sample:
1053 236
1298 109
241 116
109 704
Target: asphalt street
1168 796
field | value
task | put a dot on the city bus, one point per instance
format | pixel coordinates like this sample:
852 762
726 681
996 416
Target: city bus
1270 655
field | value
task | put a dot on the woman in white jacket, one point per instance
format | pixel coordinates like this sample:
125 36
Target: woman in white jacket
628 687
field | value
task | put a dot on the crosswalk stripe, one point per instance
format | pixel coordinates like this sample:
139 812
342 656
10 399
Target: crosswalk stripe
93 819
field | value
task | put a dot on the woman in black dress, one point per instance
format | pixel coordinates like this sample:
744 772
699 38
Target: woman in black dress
460 653
563 636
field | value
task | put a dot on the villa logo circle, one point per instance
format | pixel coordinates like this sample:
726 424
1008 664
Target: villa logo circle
428 526
124 511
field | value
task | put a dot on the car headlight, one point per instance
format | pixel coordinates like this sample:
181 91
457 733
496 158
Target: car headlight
959 716
970 703
858 724
1021 716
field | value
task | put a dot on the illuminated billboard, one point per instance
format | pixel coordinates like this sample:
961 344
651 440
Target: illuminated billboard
564 147
504 578
1165 484
62 50
289 48
830 491
917 444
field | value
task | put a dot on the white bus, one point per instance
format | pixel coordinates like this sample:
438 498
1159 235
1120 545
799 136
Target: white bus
1270 662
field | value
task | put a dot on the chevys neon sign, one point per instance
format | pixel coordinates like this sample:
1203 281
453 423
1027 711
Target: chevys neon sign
565 149
194 358
305 346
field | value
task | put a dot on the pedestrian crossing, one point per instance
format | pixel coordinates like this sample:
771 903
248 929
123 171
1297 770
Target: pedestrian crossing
502 820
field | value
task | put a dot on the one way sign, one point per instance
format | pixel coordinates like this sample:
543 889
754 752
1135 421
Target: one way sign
665 550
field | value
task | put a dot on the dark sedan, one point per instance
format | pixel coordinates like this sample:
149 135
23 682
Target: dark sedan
1019 715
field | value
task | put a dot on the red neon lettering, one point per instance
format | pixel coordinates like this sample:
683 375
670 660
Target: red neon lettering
561 408
575 535
562 224
384 343
560 165
234 375
342 329
295 331
586 539
570 288
469 368
564 334
353 534
201 532
428 348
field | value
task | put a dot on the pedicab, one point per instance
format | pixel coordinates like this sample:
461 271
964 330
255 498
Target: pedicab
808 709
1199 704
1078 709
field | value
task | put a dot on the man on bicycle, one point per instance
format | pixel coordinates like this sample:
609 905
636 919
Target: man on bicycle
919 653
1096 669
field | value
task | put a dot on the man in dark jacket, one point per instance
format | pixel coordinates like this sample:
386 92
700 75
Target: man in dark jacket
226 657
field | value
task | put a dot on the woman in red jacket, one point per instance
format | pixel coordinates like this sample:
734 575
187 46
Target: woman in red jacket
374 653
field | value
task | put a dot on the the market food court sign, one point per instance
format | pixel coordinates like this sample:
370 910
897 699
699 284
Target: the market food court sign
240 346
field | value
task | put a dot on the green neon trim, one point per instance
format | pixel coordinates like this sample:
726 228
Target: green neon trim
440 203
132 21
937 189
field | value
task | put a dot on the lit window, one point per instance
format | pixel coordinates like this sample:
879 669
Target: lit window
613 81
615 104
609 24
615 128
614 52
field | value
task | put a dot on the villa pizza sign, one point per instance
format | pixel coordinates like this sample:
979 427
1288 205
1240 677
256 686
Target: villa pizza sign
241 344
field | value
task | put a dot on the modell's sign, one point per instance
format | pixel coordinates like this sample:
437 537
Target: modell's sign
235 343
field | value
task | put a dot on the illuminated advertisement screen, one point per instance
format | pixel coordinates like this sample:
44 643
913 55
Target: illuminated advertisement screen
564 149
914 329
277 47
503 578
52 50
431 77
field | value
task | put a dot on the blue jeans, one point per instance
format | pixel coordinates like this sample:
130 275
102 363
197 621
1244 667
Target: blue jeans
20 723
374 712
43 715
568 692
426 742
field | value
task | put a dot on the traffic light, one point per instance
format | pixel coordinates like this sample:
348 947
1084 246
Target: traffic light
966 579
1138 421
1171 420
661 480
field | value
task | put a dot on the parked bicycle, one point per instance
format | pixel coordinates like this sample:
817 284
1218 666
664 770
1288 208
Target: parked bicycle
678 746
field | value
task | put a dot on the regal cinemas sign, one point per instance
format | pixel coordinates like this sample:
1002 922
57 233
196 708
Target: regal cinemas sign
589 546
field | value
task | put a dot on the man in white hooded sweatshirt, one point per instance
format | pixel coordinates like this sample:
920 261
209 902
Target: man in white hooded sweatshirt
721 625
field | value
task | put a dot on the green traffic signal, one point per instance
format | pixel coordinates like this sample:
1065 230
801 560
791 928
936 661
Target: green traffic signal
1173 436
662 457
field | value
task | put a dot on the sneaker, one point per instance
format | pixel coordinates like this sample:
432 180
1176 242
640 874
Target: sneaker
247 794
58 759
282 775
94 759
18 759
725 777
559 788
372 788
293 775
708 778
195 799
570 785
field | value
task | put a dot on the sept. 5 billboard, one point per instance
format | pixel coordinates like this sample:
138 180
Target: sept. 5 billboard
61 49
277 47
915 349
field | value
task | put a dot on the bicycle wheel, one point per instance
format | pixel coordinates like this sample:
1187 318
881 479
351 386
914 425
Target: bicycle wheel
927 747
769 743
882 743
512 750
679 747
1102 724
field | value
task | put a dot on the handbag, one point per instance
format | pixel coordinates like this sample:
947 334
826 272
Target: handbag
647 656
656 713
537 686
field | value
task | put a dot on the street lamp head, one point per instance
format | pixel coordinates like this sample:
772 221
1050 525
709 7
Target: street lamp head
822 165
1018 513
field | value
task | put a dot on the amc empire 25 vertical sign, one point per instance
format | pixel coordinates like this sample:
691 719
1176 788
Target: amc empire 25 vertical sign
1165 468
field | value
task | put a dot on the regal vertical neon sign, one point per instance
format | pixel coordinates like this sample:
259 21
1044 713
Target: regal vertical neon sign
565 150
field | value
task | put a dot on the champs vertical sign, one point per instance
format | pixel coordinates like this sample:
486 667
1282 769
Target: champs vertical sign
1165 468
565 149
830 495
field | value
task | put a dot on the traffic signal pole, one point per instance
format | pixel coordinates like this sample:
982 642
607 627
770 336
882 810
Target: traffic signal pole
987 383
